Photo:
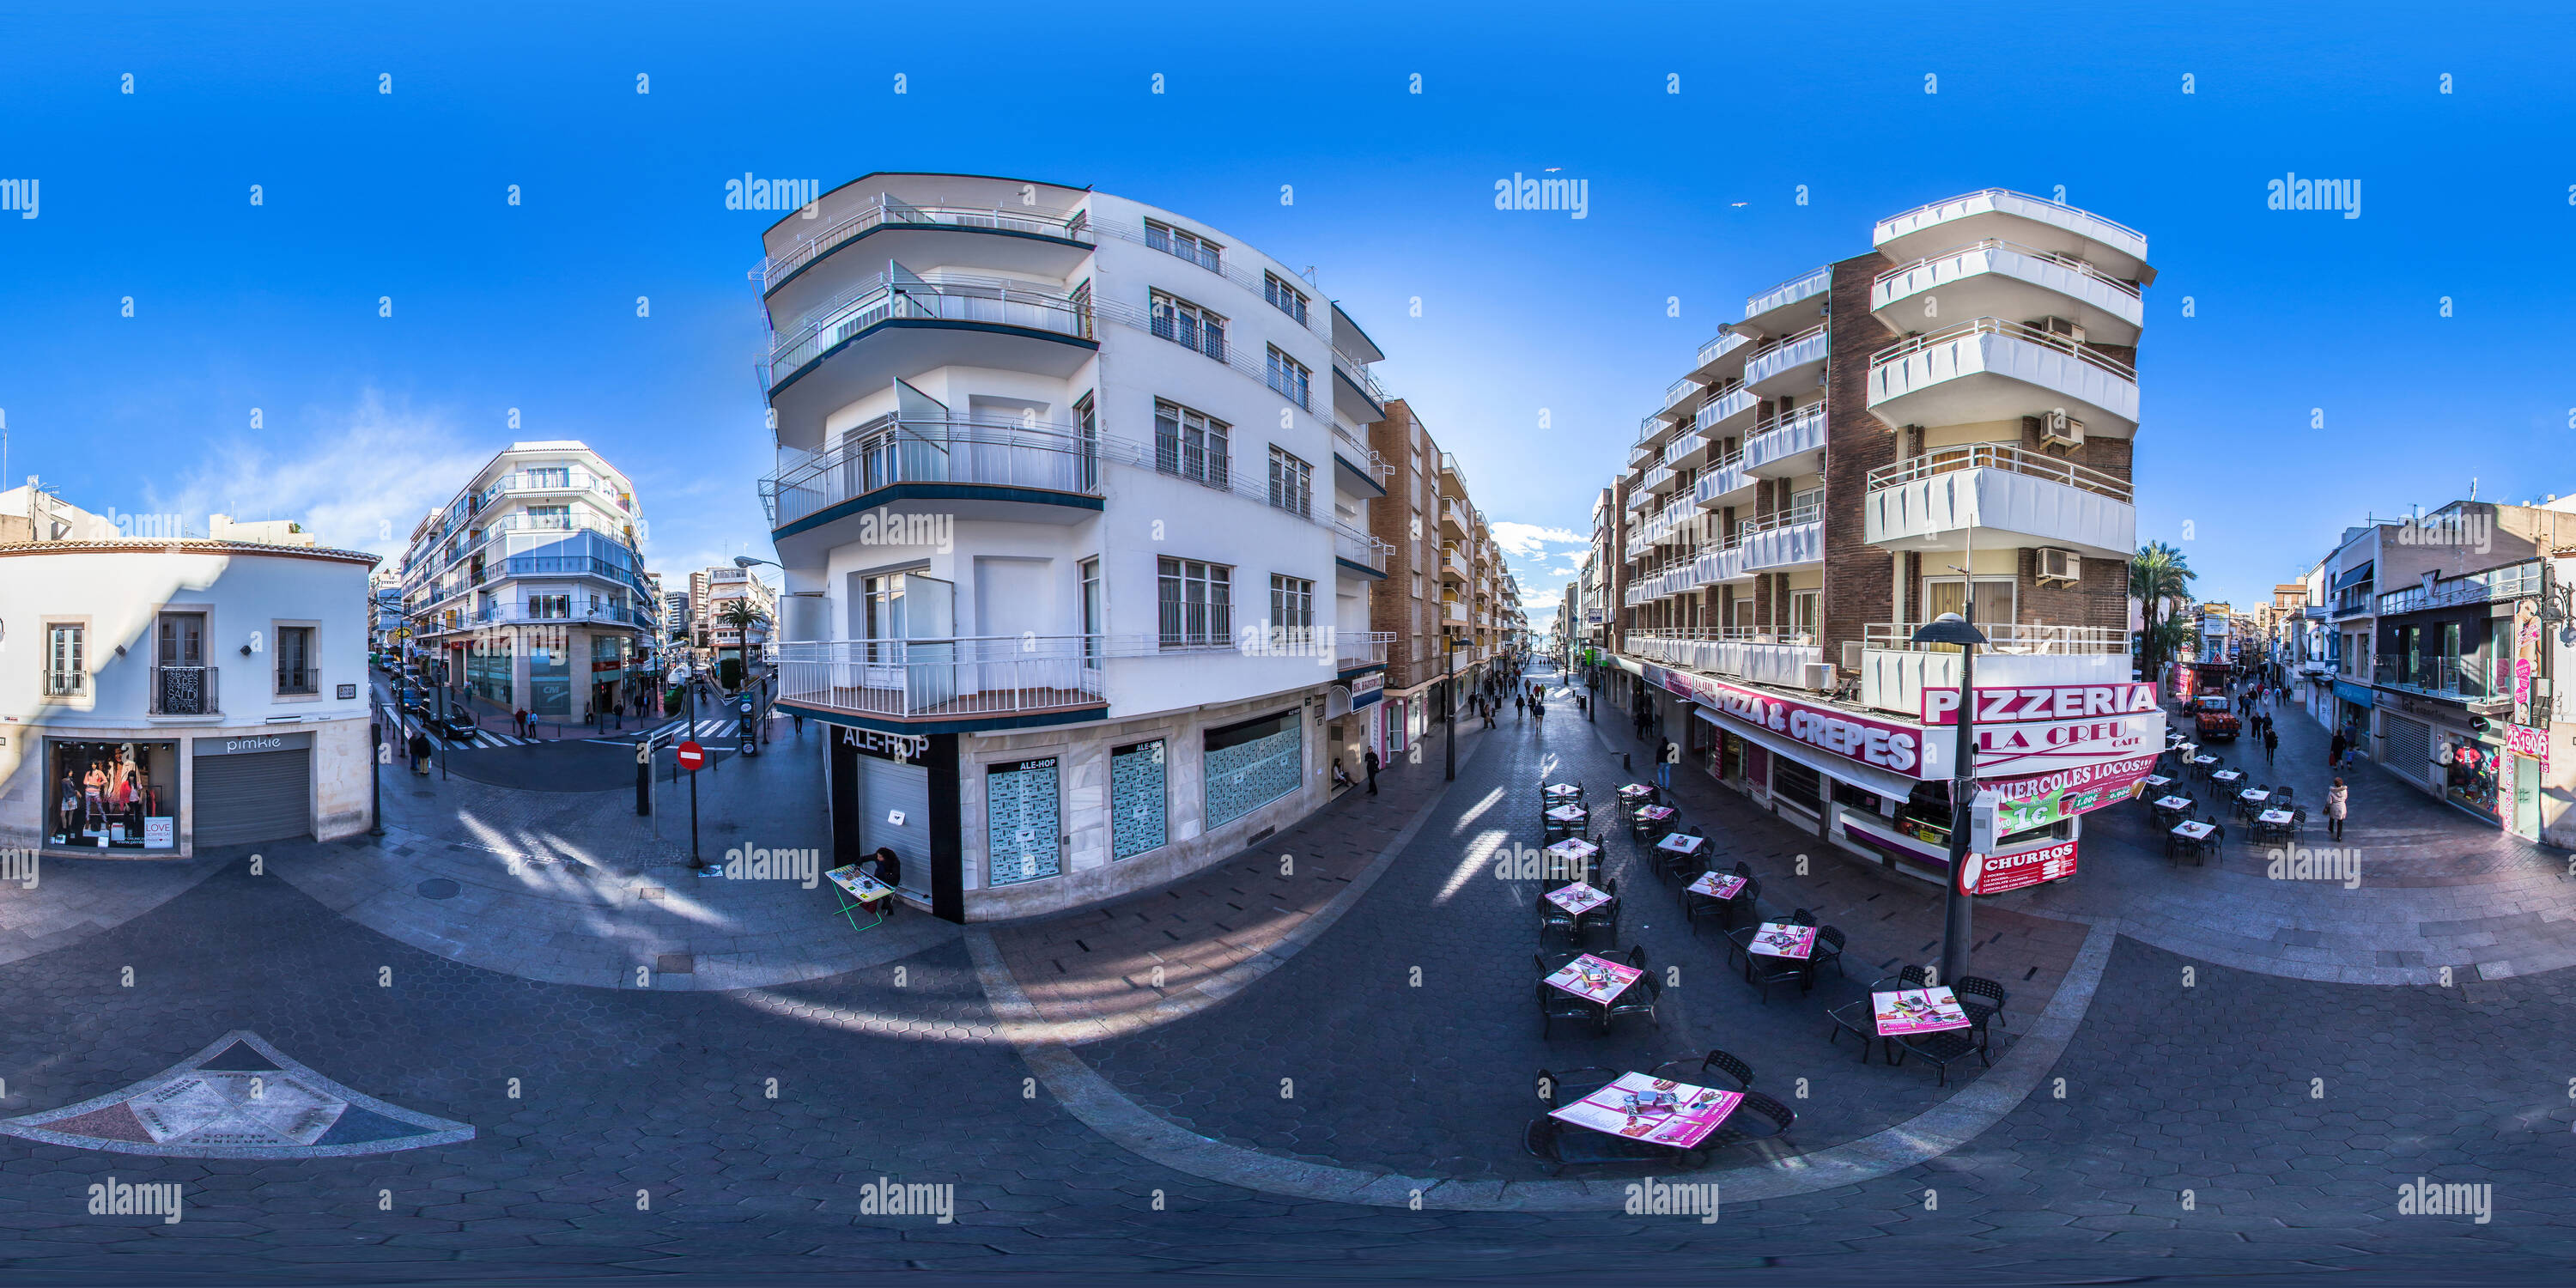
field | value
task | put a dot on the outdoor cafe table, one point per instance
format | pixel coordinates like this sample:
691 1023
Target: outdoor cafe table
1717 885
2277 817
1595 979
1567 814
1908 1011
1635 792
859 890
2228 777
2158 781
1563 791
2205 760
1573 854
2174 802
1655 813
1577 898
2194 831
1658 1111
1780 939
2254 798
1682 843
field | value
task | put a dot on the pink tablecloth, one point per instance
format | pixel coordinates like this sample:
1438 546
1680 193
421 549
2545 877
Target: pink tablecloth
1660 1110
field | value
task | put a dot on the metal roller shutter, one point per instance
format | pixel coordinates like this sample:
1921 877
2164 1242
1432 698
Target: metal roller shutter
885 787
2407 748
258 796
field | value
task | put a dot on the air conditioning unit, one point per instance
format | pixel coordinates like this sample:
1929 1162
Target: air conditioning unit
1819 677
2057 429
2060 565
1851 656
2061 329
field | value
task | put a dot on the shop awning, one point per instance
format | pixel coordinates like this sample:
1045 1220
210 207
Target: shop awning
1885 782
2353 577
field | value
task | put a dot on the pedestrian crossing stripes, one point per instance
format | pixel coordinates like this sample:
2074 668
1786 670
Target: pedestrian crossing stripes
681 729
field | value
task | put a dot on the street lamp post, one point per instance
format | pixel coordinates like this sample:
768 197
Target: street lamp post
1449 709
375 762
1951 628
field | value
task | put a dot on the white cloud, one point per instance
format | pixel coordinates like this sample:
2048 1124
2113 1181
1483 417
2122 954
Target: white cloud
360 484
1529 540
1565 572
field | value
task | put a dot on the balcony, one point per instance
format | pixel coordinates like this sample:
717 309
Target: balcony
1990 370
1688 448
947 679
2471 679
2517 582
1780 659
1356 393
1656 480
1453 563
1453 611
2006 280
975 467
902 222
1787 446
1722 357
1451 479
525 615
186 691
1789 539
1997 494
1677 393
1355 649
1894 670
1723 483
900 324
1792 306
1368 472
1793 366
2000 214
1728 413
1359 553
1453 516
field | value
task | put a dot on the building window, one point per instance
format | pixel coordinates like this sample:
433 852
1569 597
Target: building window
1093 614
549 607
1292 484
1086 434
1191 444
1197 603
1188 245
1287 299
1288 377
1292 611
1802 612
1139 819
1417 585
65 673
1949 595
550 476
1797 784
296 670
1020 821
1251 764
1188 325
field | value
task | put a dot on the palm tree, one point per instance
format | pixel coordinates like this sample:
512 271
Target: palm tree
742 615
2158 575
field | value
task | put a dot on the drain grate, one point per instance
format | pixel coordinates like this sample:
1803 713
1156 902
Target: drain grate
676 964
439 888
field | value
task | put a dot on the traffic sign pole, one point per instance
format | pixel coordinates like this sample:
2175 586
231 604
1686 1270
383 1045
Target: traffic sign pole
693 757
643 776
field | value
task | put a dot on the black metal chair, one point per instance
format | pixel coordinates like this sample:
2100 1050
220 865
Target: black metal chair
1717 1061
1977 994
1552 918
1603 917
1558 1145
1759 1118
1802 917
1697 907
1557 1090
1856 1018
1638 998
1905 977
1762 972
1556 1004
1829 948
1744 869
1942 1049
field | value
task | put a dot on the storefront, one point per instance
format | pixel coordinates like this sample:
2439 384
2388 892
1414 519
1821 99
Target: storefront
2352 704
2473 768
113 795
252 788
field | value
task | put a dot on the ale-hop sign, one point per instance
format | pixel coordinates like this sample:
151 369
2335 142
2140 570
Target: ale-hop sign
2528 740
2043 702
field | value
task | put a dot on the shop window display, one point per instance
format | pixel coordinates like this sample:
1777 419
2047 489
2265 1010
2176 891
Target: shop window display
113 795
2469 769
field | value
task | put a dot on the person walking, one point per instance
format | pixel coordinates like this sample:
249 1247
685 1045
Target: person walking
2338 798
2271 744
1665 754
1520 705
419 747
2334 751
1368 761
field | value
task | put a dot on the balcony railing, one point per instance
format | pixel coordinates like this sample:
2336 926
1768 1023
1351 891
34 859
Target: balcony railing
944 678
1997 243
1789 292
1996 326
299 681
2006 457
525 615
2108 232
66 684
2516 582
1361 648
1721 344
895 448
1068 224
1361 454
1360 375
1449 465
1732 402
947 297
185 691
1788 518
2006 637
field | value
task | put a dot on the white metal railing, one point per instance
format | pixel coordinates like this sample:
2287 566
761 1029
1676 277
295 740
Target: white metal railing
895 448
1734 401
1788 349
1683 444
2005 637
1789 292
945 297
1996 326
1067 224
2001 456
1363 455
1721 344
1788 518
1655 477
2474 588
951 677
1964 198
1361 376
1719 478
1361 648
1997 243
1678 390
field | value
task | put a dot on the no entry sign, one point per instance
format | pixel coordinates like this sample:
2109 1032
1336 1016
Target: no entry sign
692 756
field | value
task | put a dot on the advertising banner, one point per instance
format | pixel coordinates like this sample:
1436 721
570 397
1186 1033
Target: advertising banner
2528 740
2042 702
1997 874
2042 799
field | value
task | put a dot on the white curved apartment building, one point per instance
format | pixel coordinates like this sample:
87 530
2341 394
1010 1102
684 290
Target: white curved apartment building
1072 502
1875 436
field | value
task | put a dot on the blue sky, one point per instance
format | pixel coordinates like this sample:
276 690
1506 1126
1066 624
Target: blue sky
367 195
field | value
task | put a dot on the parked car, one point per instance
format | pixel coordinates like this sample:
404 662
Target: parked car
415 703
2213 717
457 725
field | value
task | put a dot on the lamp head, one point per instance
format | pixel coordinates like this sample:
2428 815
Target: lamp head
1949 628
